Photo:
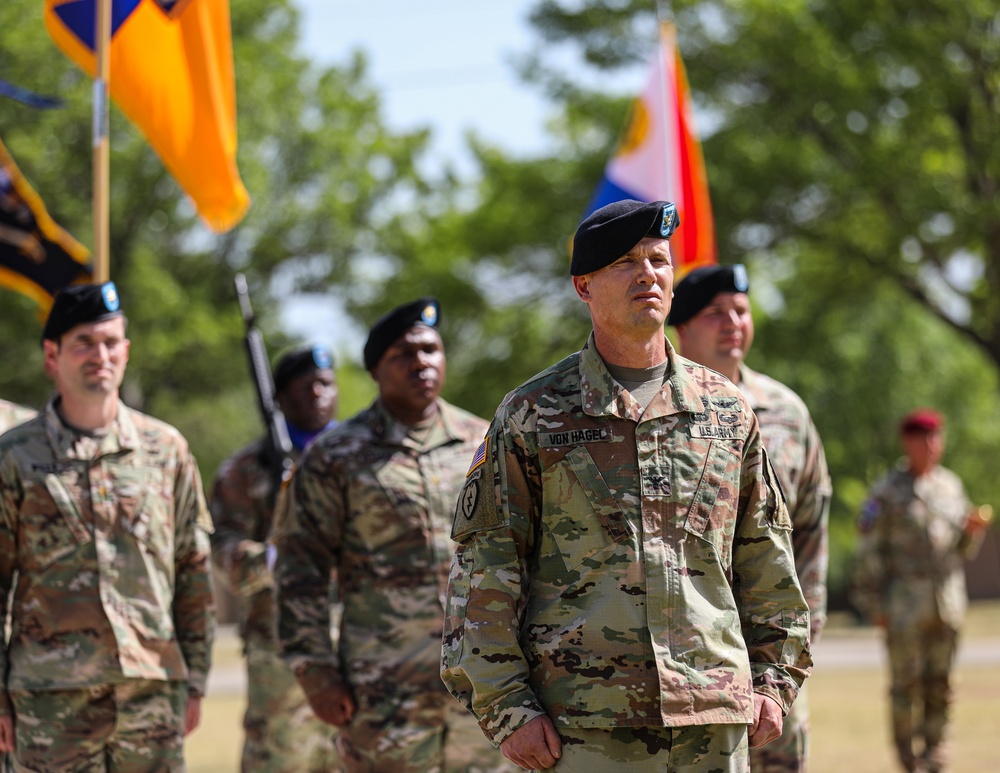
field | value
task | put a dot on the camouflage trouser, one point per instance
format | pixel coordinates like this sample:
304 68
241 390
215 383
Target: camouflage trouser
694 749
282 733
134 727
787 754
920 663
425 734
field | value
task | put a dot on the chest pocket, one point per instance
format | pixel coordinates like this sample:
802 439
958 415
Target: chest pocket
712 514
144 499
386 510
52 522
581 516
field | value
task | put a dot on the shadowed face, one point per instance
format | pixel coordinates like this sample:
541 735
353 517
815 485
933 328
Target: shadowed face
309 401
89 360
719 335
411 373
631 296
923 450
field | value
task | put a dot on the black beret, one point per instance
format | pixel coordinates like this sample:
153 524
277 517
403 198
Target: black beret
390 326
80 304
611 231
304 359
695 291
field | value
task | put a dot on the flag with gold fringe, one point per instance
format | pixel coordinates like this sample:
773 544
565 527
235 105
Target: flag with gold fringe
37 257
172 75
659 158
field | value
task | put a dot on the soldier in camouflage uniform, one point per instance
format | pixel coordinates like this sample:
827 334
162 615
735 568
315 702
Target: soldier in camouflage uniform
103 518
282 734
917 528
12 414
373 499
624 594
711 311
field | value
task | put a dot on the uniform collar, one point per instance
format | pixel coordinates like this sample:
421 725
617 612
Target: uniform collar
69 444
751 387
601 395
394 432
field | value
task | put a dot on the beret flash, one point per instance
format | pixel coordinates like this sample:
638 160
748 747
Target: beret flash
390 326
696 290
304 359
611 231
921 420
81 304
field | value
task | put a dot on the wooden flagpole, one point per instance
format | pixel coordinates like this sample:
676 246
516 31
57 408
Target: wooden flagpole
102 141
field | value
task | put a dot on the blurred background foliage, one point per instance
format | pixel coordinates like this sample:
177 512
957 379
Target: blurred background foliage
852 157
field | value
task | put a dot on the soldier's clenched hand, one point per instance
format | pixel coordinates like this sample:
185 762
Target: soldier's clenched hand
767 720
6 734
335 705
535 745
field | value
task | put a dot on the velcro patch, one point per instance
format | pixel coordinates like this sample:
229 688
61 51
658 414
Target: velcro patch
573 437
479 457
476 509
716 431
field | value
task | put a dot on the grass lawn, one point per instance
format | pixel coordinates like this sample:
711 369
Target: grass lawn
850 722
215 746
849 706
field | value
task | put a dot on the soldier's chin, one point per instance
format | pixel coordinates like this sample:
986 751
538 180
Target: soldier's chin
101 386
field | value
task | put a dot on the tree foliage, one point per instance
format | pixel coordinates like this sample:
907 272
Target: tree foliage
842 172
864 130
852 160
320 166
853 165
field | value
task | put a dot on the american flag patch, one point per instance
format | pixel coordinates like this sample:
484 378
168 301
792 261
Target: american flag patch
479 457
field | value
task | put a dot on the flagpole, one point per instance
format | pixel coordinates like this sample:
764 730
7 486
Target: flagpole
101 141
665 18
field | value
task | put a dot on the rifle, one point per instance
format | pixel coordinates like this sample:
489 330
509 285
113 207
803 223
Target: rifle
278 447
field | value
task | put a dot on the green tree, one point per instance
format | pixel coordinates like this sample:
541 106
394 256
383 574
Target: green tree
839 172
321 168
852 164
862 129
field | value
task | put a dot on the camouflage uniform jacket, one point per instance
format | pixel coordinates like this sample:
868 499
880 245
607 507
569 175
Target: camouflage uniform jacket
796 452
109 536
242 505
620 567
909 566
12 414
369 501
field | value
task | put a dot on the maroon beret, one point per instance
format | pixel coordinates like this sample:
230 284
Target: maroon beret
921 420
